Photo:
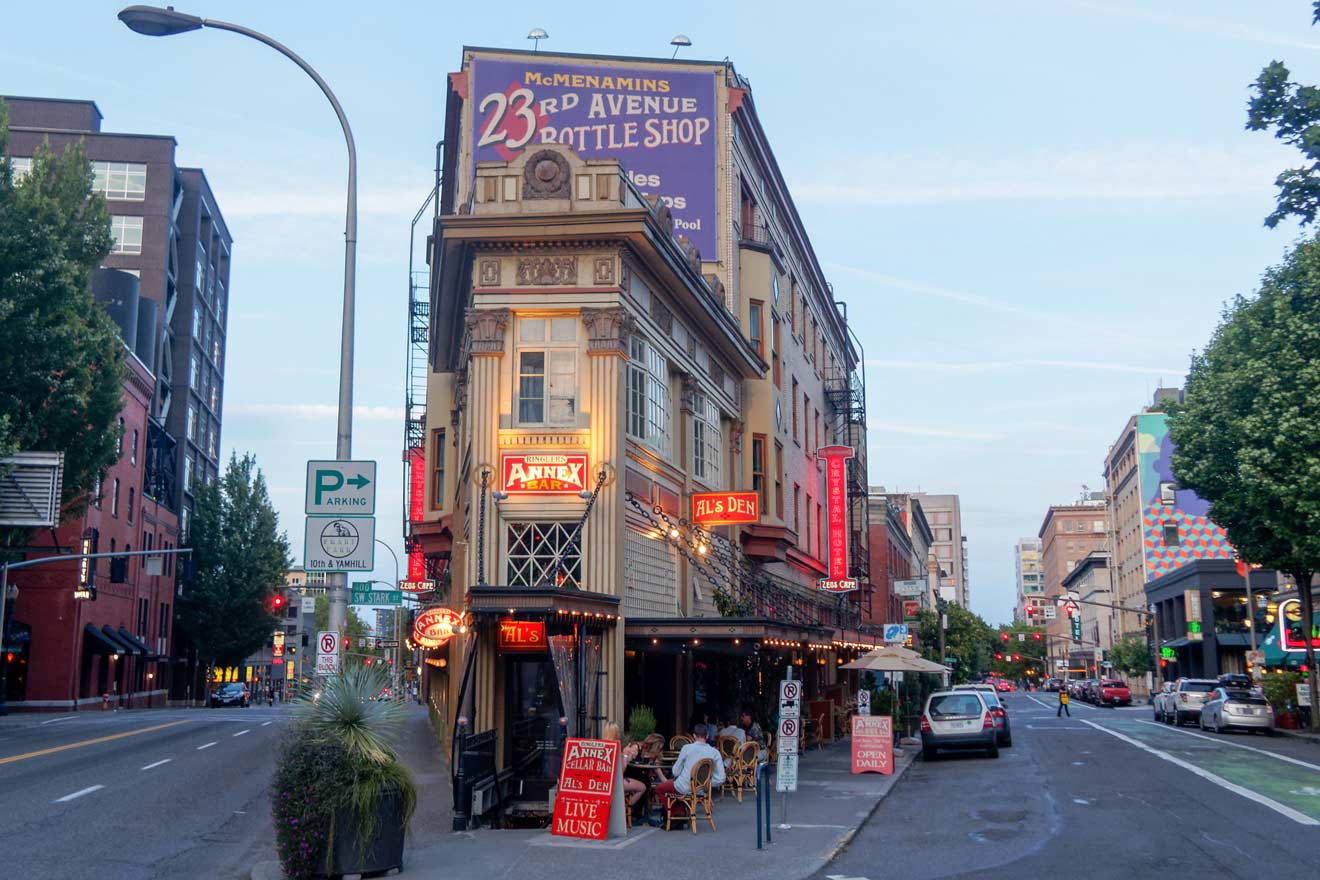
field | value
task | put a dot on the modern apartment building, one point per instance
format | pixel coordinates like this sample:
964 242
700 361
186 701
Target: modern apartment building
307 583
1030 586
944 513
1067 534
170 236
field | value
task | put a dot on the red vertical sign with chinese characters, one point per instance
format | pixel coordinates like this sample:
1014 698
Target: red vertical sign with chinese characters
836 518
586 788
416 508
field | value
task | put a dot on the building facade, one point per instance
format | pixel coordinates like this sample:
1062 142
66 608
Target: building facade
1090 580
626 317
1030 586
1067 534
944 513
893 558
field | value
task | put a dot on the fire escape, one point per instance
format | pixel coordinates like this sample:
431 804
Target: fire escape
846 392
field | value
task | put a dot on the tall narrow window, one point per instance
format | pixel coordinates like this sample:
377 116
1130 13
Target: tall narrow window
119 440
129 508
775 356
547 371
797 508
437 469
806 436
820 538
755 328
793 401
779 479
114 497
706 440
648 396
758 470
806 534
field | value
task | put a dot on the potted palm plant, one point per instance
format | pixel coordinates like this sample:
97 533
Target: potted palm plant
341 799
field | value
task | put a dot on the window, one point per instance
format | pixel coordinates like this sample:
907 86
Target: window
114 497
129 508
797 507
774 355
210 442
194 372
187 472
1098 526
792 306
127 233
547 371
199 271
185 518
779 479
816 422
120 181
811 346
648 396
144 606
215 393
706 437
22 166
119 439
755 325
758 469
807 535
1168 491
820 534
96 492
163 624
794 403
1171 538
191 427
806 408
132 450
534 549
437 469
197 320
943 534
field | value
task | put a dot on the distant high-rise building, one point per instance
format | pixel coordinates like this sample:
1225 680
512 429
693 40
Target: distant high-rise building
944 513
1030 587
170 236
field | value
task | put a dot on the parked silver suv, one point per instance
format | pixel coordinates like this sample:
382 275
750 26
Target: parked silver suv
1182 703
958 720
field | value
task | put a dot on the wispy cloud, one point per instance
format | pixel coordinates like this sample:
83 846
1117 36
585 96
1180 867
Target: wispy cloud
314 411
1120 172
989 366
1200 24
927 431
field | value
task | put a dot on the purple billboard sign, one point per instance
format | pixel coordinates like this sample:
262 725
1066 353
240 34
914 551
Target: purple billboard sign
659 124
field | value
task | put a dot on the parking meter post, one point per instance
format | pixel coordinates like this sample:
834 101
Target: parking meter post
758 812
766 787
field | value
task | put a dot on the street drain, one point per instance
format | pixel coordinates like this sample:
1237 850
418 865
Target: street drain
1001 817
994 835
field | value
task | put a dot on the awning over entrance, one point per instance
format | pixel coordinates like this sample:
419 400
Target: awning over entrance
136 643
99 643
546 600
124 646
725 628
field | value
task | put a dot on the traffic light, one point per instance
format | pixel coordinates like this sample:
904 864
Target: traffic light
1017 657
999 656
347 642
277 603
1004 636
1036 636
368 661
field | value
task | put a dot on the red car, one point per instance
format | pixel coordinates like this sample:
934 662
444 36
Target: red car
1004 686
1114 693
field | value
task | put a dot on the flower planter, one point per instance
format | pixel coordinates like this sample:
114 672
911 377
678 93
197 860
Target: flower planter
1286 721
384 848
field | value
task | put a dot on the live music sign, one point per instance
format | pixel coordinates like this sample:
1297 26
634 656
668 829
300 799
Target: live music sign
725 508
586 788
836 519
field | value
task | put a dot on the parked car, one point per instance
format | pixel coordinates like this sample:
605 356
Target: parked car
1226 708
1236 681
235 693
1112 692
1053 685
1086 690
997 709
1183 702
958 719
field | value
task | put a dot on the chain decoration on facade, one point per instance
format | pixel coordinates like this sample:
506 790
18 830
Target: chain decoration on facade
575 539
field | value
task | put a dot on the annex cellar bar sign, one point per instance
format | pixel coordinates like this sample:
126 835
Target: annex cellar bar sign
543 473
434 627
836 518
586 788
725 508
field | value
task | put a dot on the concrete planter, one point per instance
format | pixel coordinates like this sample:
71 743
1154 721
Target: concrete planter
383 850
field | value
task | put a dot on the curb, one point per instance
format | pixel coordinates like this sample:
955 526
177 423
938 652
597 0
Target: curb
268 869
847 837
1304 736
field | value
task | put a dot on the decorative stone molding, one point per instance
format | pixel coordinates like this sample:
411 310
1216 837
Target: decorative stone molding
486 328
602 271
690 251
661 315
662 213
547 271
547 176
688 392
717 375
736 429
716 286
488 273
607 330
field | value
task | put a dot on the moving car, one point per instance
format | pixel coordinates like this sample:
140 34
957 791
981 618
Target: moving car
1004 687
1053 685
1183 701
1226 708
959 719
1113 692
997 709
233 694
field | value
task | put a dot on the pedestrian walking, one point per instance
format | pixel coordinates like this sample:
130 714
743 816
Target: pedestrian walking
1063 704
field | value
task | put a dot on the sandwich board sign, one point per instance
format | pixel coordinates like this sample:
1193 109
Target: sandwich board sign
327 652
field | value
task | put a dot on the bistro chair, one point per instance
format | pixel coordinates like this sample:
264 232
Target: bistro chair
742 775
820 731
728 746
771 750
702 773
677 741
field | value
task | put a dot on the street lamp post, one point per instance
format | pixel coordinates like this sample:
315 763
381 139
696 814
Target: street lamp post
153 21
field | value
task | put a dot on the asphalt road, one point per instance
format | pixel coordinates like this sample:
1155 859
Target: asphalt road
1107 793
140 794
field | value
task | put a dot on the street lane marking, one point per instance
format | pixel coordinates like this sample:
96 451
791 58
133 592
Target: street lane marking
1276 755
241 732
158 763
58 720
1299 818
77 794
207 746
88 742
267 723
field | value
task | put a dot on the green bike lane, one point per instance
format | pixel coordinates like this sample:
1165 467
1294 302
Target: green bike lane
1262 771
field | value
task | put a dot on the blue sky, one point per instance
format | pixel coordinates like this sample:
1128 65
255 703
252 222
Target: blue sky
1035 208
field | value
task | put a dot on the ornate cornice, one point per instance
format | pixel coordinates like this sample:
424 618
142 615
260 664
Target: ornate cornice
608 330
486 329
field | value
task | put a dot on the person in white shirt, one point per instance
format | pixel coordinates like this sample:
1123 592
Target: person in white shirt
734 731
681 781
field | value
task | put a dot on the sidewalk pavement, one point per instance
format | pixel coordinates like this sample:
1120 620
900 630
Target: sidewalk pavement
1304 735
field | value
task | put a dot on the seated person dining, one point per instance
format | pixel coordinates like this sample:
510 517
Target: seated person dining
634 789
681 779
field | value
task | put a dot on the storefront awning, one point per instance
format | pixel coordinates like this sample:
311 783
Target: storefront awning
724 628
544 600
99 643
124 646
132 640
1176 643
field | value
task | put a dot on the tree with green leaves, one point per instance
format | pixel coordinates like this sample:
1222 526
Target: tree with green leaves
1130 655
968 641
239 561
61 357
1247 437
1020 659
1292 111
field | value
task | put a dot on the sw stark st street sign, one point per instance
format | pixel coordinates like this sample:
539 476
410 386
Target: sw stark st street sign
543 473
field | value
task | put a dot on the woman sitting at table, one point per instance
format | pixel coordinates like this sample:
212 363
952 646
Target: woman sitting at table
633 789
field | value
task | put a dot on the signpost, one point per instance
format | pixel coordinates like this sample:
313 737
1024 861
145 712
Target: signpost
327 652
339 543
586 788
896 633
863 702
786 769
872 744
278 649
910 588
363 594
341 487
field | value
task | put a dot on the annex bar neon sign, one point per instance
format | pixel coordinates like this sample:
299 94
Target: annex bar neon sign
544 473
